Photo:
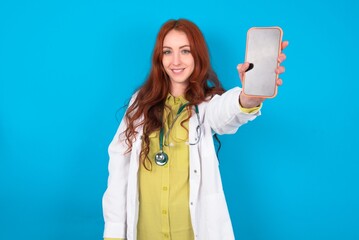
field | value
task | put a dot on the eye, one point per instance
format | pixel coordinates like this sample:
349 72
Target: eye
166 52
186 51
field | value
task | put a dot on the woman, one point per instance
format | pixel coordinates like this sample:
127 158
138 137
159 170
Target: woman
164 181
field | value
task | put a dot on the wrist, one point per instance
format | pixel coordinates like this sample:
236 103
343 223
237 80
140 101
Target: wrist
249 102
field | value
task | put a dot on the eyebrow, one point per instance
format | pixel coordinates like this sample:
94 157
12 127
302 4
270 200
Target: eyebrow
179 47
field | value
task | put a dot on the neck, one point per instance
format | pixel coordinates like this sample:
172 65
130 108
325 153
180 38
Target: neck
178 89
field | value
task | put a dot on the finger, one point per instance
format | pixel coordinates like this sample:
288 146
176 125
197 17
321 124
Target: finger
242 68
284 44
282 57
279 82
280 70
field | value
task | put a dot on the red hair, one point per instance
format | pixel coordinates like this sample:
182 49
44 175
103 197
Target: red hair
147 108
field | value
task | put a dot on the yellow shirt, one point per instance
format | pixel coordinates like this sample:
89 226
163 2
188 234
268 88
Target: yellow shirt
164 191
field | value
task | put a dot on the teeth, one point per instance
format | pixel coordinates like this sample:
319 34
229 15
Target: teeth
177 70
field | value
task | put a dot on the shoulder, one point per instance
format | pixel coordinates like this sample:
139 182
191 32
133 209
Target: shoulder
132 99
134 96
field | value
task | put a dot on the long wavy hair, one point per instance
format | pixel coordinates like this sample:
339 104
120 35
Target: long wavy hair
148 105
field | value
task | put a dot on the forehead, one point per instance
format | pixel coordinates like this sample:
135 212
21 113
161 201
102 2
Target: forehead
175 38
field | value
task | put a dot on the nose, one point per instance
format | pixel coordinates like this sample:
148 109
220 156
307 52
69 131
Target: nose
176 58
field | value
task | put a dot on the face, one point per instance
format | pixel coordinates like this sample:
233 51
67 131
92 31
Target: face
177 60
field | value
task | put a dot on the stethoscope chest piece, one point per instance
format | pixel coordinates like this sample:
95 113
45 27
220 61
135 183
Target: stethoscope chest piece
161 158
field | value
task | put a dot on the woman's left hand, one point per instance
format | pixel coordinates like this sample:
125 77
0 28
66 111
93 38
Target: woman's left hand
250 102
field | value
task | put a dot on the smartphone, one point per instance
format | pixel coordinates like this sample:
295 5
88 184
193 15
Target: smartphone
263 47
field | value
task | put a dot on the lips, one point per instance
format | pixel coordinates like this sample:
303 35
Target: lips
177 70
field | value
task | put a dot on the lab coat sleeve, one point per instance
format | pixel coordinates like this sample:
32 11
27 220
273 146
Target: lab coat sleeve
223 112
114 199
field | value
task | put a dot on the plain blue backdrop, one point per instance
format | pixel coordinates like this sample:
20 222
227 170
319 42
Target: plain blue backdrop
67 68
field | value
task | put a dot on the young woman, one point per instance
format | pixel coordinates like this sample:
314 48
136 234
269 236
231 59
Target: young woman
164 181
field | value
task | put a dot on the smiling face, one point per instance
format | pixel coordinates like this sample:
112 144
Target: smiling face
177 61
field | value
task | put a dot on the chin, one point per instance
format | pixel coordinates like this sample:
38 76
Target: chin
180 80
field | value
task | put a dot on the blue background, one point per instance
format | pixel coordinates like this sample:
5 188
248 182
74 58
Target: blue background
67 67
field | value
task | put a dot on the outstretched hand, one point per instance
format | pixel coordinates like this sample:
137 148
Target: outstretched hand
249 102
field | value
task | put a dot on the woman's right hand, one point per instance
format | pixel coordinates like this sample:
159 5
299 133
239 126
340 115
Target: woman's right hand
250 102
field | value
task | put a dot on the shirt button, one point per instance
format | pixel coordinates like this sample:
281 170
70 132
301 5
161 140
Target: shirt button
166 235
164 212
164 188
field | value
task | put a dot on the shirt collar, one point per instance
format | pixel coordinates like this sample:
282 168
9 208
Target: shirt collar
172 100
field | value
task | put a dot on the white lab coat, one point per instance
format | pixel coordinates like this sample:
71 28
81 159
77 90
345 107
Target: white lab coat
208 209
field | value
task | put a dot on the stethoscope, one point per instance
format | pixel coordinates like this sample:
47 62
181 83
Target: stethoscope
161 158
